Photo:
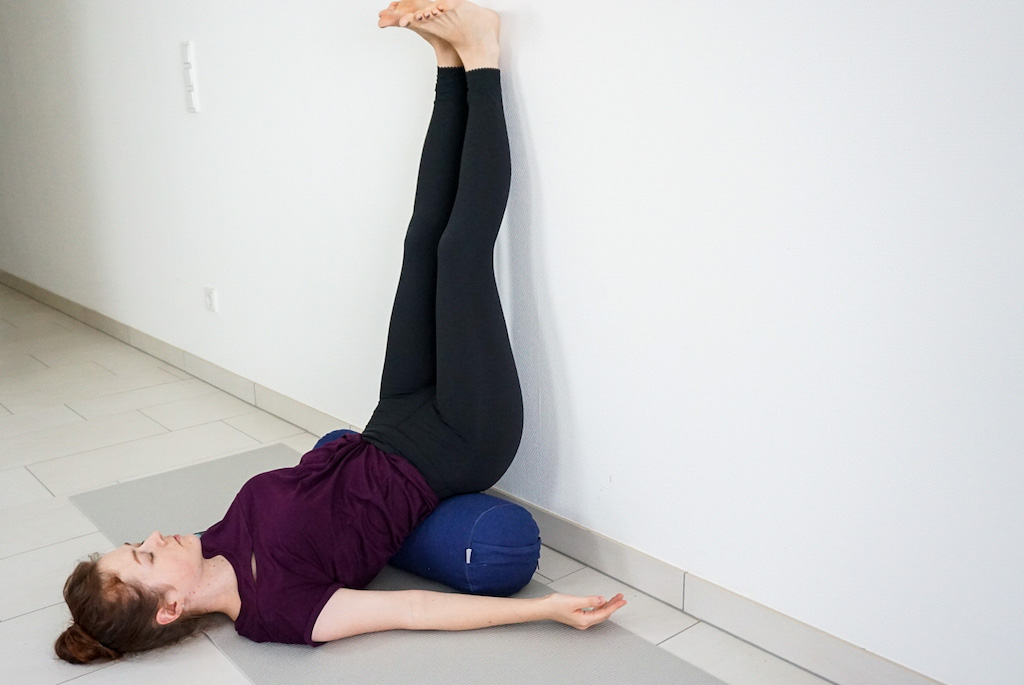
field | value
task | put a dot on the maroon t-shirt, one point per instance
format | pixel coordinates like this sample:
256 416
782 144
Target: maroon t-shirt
330 522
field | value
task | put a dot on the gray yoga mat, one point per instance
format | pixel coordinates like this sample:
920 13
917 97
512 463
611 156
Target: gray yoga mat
195 497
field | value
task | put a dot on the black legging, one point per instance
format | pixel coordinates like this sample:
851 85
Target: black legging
450 400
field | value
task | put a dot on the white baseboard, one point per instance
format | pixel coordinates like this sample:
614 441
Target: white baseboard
787 638
814 650
297 413
811 649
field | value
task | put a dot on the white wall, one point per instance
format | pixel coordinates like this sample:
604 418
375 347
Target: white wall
762 266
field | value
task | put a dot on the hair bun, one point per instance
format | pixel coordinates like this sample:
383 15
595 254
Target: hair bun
79 647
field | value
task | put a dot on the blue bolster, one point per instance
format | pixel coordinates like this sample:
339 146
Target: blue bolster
475 543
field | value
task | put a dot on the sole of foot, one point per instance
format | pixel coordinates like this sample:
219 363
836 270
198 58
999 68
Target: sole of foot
462 23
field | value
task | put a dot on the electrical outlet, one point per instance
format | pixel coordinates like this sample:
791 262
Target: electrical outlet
212 300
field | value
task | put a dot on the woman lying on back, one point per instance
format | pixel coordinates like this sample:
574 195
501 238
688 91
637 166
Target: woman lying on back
289 559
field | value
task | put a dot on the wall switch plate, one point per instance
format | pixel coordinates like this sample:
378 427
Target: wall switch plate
188 61
212 300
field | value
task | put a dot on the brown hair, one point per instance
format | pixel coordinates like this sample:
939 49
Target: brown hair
113 618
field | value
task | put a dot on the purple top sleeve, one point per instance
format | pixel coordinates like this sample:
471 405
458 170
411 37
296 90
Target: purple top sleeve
330 522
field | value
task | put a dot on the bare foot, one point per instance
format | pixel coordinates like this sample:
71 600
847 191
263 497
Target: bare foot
394 14
471 29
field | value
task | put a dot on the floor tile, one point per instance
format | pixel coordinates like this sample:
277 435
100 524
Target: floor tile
78 437
16 342
39 575
141 398
81 332
21 364
26 648
22 338
197 410
40 420
263 426
645 616
555 565
541 579
301 443
733 661
38 524
13 384
110 354
18 486
40 398
25 314
4 411
195 660
127 460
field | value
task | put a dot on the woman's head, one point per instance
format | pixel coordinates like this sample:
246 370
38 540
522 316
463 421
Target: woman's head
132 599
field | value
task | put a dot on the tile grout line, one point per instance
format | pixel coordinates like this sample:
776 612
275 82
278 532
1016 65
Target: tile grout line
773 654
73 409
679 633
105 368
59 542
40 361
52 494
272 442
34 611
51 429
108 394
98 668
166 428
238 668
102 447
139 409
618 580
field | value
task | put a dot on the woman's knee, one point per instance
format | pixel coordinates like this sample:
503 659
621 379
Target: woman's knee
466 246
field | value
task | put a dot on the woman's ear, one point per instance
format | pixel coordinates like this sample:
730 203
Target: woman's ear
168 613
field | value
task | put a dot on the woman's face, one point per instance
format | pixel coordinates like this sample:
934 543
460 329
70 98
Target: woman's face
171 563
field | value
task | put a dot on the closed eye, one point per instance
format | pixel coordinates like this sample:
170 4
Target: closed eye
152 557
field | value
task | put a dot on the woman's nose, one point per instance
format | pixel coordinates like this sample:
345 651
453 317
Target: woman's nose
155 538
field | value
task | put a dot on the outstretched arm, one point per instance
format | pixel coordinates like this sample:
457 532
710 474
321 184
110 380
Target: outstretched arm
353 612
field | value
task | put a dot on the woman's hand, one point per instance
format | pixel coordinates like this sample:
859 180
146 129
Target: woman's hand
582 612
353 612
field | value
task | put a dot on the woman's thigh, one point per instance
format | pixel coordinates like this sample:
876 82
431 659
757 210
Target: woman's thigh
411 427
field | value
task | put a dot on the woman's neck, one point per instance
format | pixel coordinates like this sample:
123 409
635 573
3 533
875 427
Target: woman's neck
218 589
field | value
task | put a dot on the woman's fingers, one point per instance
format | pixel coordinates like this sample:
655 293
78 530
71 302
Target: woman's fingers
594 610
583 612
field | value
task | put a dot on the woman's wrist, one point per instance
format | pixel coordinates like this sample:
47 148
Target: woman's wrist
546 610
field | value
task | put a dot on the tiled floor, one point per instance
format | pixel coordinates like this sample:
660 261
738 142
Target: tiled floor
80 410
